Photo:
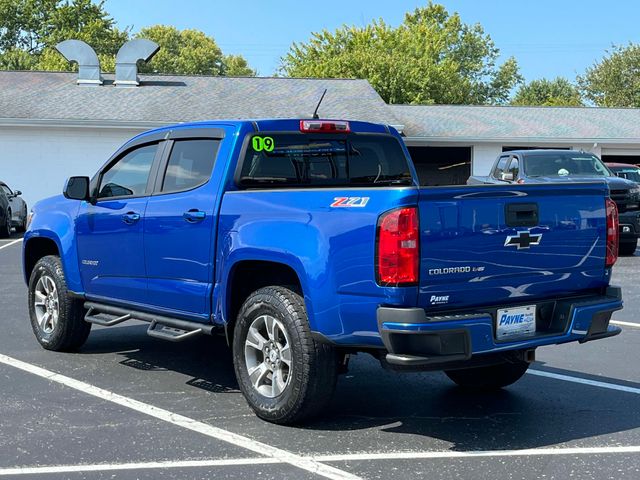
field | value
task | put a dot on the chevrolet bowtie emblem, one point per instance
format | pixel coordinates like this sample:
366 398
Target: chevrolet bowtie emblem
523 239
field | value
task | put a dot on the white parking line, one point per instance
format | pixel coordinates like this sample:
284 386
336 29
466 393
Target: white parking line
108 467
481 453
352 457
584 381
626 324
299 461
6 245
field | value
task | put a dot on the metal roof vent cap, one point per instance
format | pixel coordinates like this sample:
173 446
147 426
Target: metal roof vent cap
86 58
127 60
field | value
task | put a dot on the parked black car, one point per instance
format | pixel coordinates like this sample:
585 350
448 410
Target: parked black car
14 211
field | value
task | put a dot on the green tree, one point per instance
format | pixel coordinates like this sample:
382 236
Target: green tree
432 57
615 80
558 92
237 66
31 29
190 52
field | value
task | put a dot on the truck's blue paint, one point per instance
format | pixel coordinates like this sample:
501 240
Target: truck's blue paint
466 226
166 265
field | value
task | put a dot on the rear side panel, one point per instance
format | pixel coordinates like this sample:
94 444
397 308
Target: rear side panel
511 244
331 248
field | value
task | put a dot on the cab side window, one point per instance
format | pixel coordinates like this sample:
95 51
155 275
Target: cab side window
128 177
190 164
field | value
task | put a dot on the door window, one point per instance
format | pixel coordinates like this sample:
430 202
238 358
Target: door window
6 190
190 164
500 167
128 176
514 168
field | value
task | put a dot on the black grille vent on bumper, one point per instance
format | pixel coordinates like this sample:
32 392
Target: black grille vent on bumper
624 200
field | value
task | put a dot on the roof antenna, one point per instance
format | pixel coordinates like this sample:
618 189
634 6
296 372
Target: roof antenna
315 113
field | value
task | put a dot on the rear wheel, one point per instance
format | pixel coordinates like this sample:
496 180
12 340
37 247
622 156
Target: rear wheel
57 318
5 228
285 375
491 377
628 248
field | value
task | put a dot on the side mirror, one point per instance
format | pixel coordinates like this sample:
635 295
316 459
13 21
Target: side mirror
77 188
17 193
507 177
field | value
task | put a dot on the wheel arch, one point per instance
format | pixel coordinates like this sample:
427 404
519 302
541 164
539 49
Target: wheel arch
36 248
248 275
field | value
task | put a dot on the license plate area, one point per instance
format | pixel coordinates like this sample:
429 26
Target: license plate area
515 322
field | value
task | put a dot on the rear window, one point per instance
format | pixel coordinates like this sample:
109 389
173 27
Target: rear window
629 173
296 160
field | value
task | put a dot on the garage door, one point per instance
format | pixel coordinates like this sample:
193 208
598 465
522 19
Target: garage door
442 165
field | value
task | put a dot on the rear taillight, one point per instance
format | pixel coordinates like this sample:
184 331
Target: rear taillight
398 248
612 233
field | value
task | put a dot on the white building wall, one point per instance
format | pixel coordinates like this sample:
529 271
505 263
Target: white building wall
483 156
38 160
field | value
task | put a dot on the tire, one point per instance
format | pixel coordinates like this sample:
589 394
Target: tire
307 384
627 248
23 226
5 228
64 329
492 377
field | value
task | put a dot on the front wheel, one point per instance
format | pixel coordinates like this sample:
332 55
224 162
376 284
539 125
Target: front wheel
285 375
628 248
57 318
5 228
491 377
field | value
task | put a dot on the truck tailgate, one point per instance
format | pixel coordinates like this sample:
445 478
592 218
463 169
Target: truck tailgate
510 244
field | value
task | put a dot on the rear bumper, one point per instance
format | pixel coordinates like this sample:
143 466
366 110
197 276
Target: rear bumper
629 225
414 339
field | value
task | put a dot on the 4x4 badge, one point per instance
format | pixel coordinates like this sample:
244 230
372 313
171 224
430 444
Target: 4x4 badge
523 239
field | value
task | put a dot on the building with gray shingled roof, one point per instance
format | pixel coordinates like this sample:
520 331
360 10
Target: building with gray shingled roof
52 128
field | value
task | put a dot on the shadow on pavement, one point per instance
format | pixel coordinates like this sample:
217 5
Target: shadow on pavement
535 412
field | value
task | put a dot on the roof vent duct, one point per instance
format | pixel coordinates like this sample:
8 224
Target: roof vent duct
127 60
86 58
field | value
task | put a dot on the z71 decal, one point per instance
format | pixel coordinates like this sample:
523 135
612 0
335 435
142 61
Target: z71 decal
350 202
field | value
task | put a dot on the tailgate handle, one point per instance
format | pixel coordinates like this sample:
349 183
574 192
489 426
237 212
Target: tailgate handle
521 214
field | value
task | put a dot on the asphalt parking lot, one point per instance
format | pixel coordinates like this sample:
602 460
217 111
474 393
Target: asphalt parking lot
129 406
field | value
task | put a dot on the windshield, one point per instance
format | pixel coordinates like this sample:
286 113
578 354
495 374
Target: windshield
630 173
565 164
294 160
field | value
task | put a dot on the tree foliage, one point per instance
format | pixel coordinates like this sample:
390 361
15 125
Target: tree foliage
190 52
432 57
558 92
615 80
30 29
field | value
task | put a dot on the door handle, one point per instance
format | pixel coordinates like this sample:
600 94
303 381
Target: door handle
193 216
130 218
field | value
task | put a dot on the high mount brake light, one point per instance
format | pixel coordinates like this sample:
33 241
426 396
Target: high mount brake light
612 233
398 248
324 126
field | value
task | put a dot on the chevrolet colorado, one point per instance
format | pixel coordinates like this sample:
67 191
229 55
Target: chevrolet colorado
306 241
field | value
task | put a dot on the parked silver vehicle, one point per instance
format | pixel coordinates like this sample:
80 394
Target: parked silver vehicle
16 210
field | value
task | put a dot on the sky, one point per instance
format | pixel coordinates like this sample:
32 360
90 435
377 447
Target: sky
548 38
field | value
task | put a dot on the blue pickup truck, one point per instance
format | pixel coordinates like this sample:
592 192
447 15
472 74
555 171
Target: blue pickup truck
307 241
